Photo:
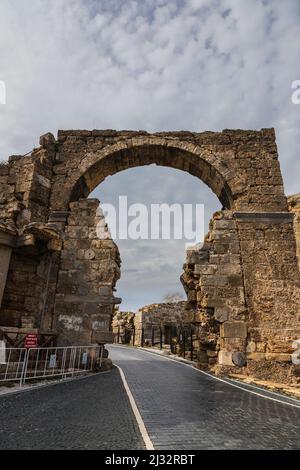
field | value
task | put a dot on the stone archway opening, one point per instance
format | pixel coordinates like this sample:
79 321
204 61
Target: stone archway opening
154 316
95 167
88 255
153 203
207 169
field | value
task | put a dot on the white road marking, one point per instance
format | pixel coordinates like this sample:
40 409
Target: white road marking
138 417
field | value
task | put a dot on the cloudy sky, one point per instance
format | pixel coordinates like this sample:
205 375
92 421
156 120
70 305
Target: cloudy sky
153 65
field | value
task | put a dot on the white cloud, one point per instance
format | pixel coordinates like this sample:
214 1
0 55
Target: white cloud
152 268
154 65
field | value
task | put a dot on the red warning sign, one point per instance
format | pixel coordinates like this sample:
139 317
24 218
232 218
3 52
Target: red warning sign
31 341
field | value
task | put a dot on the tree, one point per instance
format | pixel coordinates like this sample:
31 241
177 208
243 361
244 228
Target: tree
173 297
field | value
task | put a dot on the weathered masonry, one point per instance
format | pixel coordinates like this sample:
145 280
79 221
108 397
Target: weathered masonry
244 286
244 283
166 317
158 325
123 327
88 271
60 286
294 207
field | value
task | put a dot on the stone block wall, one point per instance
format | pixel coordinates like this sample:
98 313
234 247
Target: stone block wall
26 286
213 280
25 185
240 166
123 326
245 276
244 284
89 270
161 315
294 207
272 289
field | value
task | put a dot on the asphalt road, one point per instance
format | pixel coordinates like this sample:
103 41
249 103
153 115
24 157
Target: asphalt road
183 408
89 413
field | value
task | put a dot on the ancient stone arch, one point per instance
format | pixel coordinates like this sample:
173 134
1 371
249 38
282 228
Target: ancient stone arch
97 164
243 284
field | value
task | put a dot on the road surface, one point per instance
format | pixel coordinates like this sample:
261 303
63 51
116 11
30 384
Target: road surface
86 413
183 408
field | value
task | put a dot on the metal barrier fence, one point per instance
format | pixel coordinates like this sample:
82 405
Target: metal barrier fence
12 363
21 365
179 338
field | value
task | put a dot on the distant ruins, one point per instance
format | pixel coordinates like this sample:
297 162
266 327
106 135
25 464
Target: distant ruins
243 284
166 318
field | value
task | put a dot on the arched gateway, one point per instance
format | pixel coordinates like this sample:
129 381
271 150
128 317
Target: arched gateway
243 284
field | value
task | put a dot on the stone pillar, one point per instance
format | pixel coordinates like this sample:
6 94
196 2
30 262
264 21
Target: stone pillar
271 282
88 271
6 244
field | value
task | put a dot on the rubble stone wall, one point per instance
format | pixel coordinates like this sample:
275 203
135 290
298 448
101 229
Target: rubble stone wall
213 280
161 315
89 270
123 326
244 285
24 294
